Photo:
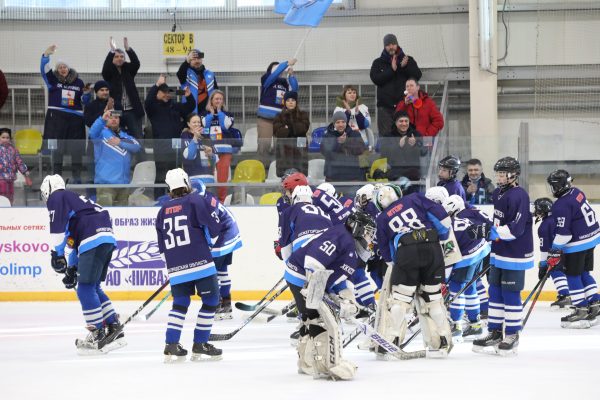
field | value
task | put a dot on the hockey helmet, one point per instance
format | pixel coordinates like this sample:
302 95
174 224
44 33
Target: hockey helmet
542 207
177 178
453 204
364 195
451 163
302 194
51 184
288 172
362 227
437 194
386 195
560 181
328 188
198 185
511 166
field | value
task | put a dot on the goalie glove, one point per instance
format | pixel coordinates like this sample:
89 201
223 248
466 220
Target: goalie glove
348 306
479 231
58 263
554 259
70 279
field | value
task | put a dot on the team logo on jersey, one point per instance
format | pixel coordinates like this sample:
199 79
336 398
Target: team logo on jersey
579 197
70 242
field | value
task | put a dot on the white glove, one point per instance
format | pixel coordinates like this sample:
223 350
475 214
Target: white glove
348 309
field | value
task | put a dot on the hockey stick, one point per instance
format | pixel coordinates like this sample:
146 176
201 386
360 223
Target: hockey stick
539 291
357 331
147 316
247 307
533 291
283 311
227 336
119 328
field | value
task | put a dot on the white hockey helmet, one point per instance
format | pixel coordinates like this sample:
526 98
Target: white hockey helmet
177 178
328 188
453 204
51 184
386 195
364 195
302 194
437 194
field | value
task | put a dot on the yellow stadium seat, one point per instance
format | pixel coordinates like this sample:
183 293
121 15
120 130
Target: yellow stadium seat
381 164
269 199
249 171
28 141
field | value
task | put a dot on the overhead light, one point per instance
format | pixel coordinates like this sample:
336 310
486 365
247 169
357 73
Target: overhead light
485 34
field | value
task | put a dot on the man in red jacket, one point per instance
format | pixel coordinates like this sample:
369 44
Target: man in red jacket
421 109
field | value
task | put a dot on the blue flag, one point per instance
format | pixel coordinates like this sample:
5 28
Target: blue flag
282 6
307 12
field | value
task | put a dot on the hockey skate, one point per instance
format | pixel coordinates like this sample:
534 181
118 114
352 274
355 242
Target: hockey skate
457 332
593 311
561 303
206 352
294 338
577 319
472 331
487 344
292 315
442 352
224 310
174 352
508 346
99 341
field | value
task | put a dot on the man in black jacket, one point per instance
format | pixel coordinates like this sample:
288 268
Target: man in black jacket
166 116
478 188
120 75
389 73
96 107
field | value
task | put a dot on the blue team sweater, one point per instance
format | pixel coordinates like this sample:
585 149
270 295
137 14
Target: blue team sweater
272 90
219 129
63 96
195 162
112 162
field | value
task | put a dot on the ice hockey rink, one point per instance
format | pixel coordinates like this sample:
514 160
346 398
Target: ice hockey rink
39 361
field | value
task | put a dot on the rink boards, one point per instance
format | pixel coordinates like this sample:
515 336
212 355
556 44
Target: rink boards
136 269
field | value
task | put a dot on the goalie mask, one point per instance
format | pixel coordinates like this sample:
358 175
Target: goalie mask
362 227
364 195
386 195
560 182
51 184
177 178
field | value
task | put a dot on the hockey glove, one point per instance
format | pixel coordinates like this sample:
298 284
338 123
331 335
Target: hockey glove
348 309
542 272
554 259
70 279
480 231
59 263
277 248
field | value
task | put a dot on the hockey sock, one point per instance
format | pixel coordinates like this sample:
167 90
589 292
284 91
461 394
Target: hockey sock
377 278
496 308
177 318
483 296
560 282
457 307
590 287
224 281
108 312
513 310
90 304
577 290
472 303
206 317
363 291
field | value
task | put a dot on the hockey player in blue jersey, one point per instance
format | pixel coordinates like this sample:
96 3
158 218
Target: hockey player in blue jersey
328 188
512 255
222 250
577 233
290 179
409 230
447 169
323 265
543 212
186 228
86 229
473 252
331 206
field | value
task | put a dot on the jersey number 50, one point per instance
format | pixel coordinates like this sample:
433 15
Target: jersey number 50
177 231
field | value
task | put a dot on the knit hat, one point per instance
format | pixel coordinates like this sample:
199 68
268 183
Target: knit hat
61 62
101 84
400 114
163 87
339 115
390 38
290 95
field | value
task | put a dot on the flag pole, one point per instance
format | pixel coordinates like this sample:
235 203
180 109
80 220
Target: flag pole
302 42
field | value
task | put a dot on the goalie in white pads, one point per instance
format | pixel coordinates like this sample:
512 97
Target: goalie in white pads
324 263
408 233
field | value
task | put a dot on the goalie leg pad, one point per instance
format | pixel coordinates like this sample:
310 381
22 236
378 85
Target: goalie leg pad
328 348
437 333
399 305
305 351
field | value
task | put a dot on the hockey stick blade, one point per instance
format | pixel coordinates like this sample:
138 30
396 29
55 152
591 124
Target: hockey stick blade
247 307
283 311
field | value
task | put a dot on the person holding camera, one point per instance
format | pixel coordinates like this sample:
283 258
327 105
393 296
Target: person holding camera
112 154
199 157
166 116
403 148
201 81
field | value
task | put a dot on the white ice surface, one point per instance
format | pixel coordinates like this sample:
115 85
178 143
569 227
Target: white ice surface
38 361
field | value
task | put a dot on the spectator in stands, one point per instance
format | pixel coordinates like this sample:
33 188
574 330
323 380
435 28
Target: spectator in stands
199 158
3 89
478 188
96 107
166 116
403 148
121 77
389 73
341 147
64 117
357 113
10 163
273 87
202 82
421 109
112 154
224 138
290 127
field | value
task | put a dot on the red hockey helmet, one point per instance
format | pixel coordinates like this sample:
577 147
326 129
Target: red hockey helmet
295 179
